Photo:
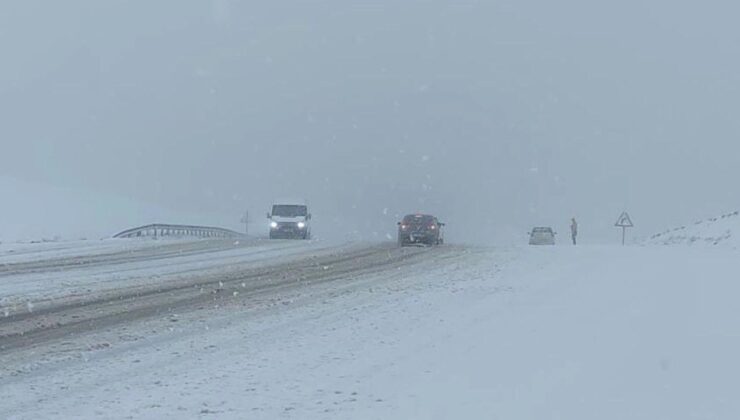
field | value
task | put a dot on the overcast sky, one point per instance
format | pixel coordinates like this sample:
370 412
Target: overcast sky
495 115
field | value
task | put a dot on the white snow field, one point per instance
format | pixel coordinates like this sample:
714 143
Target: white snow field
456 333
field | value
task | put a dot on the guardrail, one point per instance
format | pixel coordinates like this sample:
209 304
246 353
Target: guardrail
157 230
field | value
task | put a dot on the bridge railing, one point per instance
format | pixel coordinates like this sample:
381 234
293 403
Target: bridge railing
159 230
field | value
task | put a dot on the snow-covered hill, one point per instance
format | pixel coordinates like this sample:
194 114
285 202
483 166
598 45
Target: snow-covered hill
723 230
32 211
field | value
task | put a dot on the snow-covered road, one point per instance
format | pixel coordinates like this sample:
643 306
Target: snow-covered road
457 332
45 273
211 277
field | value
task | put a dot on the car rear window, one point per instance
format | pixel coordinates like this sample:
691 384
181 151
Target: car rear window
416 220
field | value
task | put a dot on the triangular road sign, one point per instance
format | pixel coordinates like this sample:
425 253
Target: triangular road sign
624 221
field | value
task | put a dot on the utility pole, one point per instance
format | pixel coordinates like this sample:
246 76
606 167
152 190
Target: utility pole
245 220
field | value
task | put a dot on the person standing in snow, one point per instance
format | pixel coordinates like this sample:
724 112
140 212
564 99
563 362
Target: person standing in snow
573 229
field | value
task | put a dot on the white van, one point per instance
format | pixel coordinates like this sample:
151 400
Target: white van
290 219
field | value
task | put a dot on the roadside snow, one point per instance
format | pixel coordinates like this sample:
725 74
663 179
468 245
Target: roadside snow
34 251
524 333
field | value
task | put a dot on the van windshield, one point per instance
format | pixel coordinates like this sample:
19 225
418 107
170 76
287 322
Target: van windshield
289 210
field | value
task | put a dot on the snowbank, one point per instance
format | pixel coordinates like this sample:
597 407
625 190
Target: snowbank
723 230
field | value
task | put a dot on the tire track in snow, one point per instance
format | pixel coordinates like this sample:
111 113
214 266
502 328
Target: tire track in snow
34 328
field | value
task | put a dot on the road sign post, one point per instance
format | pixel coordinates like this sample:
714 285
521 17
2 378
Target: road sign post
624 221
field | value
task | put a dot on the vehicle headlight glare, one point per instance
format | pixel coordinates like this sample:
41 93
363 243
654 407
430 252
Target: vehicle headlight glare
273 225
301 225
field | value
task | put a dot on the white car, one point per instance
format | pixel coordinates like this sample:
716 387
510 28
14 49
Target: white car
290 219
542 236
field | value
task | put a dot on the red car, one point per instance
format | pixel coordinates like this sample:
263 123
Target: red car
420 229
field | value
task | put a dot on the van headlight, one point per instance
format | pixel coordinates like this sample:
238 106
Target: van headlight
301 225
274 225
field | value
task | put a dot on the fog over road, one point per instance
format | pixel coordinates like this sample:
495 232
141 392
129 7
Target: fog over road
494 115
484 120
